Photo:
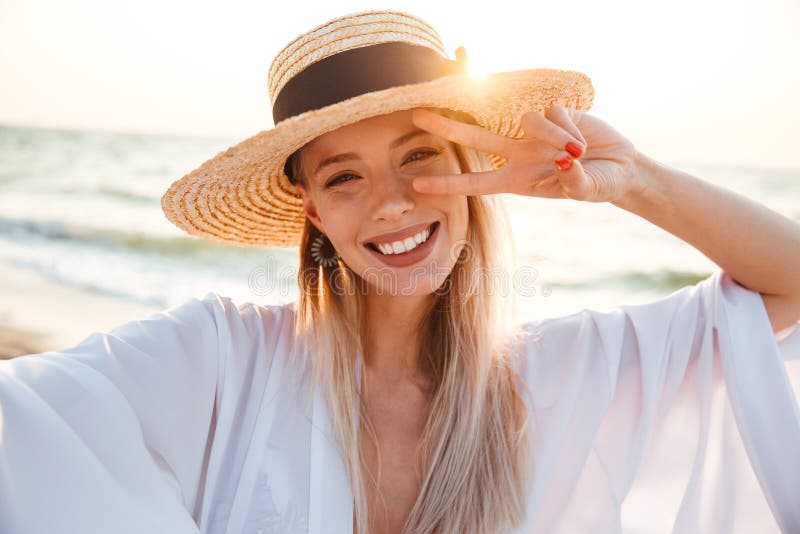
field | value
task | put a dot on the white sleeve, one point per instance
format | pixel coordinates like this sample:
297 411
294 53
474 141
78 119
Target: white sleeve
109 435
677 415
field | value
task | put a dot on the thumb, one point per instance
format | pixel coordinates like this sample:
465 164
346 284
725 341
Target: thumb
574 181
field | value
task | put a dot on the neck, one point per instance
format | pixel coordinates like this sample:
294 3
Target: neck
392 335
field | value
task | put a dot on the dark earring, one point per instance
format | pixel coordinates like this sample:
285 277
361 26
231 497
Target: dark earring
323 252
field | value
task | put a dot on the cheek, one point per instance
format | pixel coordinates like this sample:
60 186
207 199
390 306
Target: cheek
459 208
457 219
343 233
335 212
342 223
461 218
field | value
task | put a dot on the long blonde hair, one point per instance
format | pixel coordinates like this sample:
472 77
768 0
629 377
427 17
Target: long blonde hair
475 464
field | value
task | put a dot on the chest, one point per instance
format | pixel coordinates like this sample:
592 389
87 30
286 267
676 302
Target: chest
393 465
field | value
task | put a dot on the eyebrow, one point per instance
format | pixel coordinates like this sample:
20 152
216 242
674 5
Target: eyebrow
347 156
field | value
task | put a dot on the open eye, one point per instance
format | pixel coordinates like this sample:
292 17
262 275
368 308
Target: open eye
340 179
421 154
414 156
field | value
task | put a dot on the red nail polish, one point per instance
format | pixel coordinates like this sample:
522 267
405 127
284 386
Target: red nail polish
564 164
574 149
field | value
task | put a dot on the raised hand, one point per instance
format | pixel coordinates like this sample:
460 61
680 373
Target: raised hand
601 161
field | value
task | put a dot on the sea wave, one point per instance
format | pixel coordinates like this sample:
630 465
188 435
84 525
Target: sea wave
117 193
179 246
633 280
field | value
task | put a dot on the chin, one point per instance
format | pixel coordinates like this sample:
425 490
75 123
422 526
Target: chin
422 271
414 281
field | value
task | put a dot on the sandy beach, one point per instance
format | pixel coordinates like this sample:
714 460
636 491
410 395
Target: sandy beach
37 314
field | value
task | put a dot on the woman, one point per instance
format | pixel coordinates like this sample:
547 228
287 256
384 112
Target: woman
427 416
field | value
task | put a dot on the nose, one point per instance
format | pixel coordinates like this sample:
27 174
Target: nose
393 197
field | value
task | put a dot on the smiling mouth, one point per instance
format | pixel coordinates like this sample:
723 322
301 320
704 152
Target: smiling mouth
406 245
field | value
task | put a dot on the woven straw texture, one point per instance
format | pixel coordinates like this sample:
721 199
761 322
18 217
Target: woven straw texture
242 197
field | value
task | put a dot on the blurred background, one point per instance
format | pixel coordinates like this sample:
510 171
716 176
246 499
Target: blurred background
104 103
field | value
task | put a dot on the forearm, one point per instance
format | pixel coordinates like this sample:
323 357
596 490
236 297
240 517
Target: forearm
758 247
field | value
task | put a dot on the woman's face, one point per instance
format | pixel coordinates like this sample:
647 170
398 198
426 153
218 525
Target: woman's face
359 194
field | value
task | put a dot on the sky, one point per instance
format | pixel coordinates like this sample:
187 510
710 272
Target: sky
687 81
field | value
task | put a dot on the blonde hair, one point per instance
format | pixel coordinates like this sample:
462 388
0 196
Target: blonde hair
474 447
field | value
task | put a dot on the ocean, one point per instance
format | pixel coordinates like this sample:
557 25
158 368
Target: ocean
83 209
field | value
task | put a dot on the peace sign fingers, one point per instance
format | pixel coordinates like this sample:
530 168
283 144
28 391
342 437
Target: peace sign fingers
554 128
568 119
464 134
469 183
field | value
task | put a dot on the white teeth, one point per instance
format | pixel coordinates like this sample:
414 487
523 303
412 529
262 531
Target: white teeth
409 243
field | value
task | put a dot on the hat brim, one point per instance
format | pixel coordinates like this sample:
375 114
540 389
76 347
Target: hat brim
242 196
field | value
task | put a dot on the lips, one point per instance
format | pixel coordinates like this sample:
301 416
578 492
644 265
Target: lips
410 257
399 235
406 244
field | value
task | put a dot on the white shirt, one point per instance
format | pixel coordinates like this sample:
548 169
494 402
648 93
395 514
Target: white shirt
678 415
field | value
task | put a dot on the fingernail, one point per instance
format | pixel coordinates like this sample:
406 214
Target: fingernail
574 149
564 164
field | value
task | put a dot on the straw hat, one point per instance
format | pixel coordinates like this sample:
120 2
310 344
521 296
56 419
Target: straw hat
341 72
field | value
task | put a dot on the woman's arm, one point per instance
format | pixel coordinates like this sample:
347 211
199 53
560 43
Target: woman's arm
758 247
111 434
